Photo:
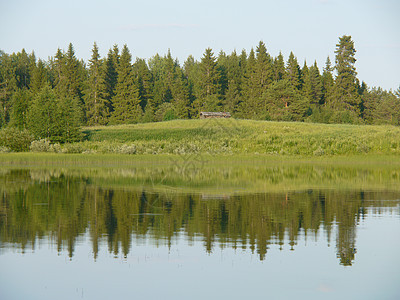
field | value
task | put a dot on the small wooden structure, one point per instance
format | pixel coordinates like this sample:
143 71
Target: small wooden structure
219 115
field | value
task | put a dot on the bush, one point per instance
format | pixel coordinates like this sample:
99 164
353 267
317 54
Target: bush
4 149
15 140
127 149
42 145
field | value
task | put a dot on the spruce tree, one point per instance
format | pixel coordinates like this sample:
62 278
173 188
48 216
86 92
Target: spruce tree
345 96
21 100
249 90
312 88
111 75
263 69
234 77
327 81
126 101
209 87
293 72
39 77
42 117
279 67
283 102
144 80
96 91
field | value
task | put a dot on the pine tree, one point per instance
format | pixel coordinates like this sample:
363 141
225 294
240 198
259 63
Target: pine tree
222 66
42 118
69 77
279 67
69 119
144 80
345 96
20 102
283 102
263 69
234 77
191 71
209 87
312 88
111 75
126 101
327 81
39 77
96 91
8 85
249 88
293 73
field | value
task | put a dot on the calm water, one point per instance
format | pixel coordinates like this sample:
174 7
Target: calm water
96 234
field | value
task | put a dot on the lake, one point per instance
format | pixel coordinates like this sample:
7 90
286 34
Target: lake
194 231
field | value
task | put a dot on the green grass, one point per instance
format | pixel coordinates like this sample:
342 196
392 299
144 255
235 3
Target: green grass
245 137
230 137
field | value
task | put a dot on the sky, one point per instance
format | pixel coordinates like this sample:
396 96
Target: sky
309 28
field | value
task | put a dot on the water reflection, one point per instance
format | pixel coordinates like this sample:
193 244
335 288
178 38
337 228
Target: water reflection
62 206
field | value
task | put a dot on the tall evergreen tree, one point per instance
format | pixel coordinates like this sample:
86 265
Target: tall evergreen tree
20 102
39 77
126 101
249 90
43 119
345 96
263 69
312 87
327 81
293 72
96 91
234 77
144 80
283 102
279 67
111 75
209 87
8 85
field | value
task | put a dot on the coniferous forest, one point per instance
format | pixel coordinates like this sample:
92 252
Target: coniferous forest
53 99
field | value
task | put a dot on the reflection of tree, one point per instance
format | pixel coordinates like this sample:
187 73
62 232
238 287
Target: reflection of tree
64 208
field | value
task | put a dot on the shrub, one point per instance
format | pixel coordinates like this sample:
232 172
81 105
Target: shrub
319 152
15 140
42 145
4 149
127 149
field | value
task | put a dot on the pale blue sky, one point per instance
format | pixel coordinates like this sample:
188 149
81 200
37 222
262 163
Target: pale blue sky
309 28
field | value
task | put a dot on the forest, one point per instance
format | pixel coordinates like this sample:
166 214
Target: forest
52 99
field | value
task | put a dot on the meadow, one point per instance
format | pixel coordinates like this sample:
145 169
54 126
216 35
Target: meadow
230 136
227 137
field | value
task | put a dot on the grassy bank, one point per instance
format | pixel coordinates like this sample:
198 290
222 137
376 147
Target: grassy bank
243 137
229 137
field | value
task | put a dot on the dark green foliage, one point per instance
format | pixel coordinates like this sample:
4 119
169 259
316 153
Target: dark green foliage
113 90
57 119
345 95
279 67
312 87
42 114
21 100
97 105
15 140
284 103
381 107
111 75
293 72
209 85
126 101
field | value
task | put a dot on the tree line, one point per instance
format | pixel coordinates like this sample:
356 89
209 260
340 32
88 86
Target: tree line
52 99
